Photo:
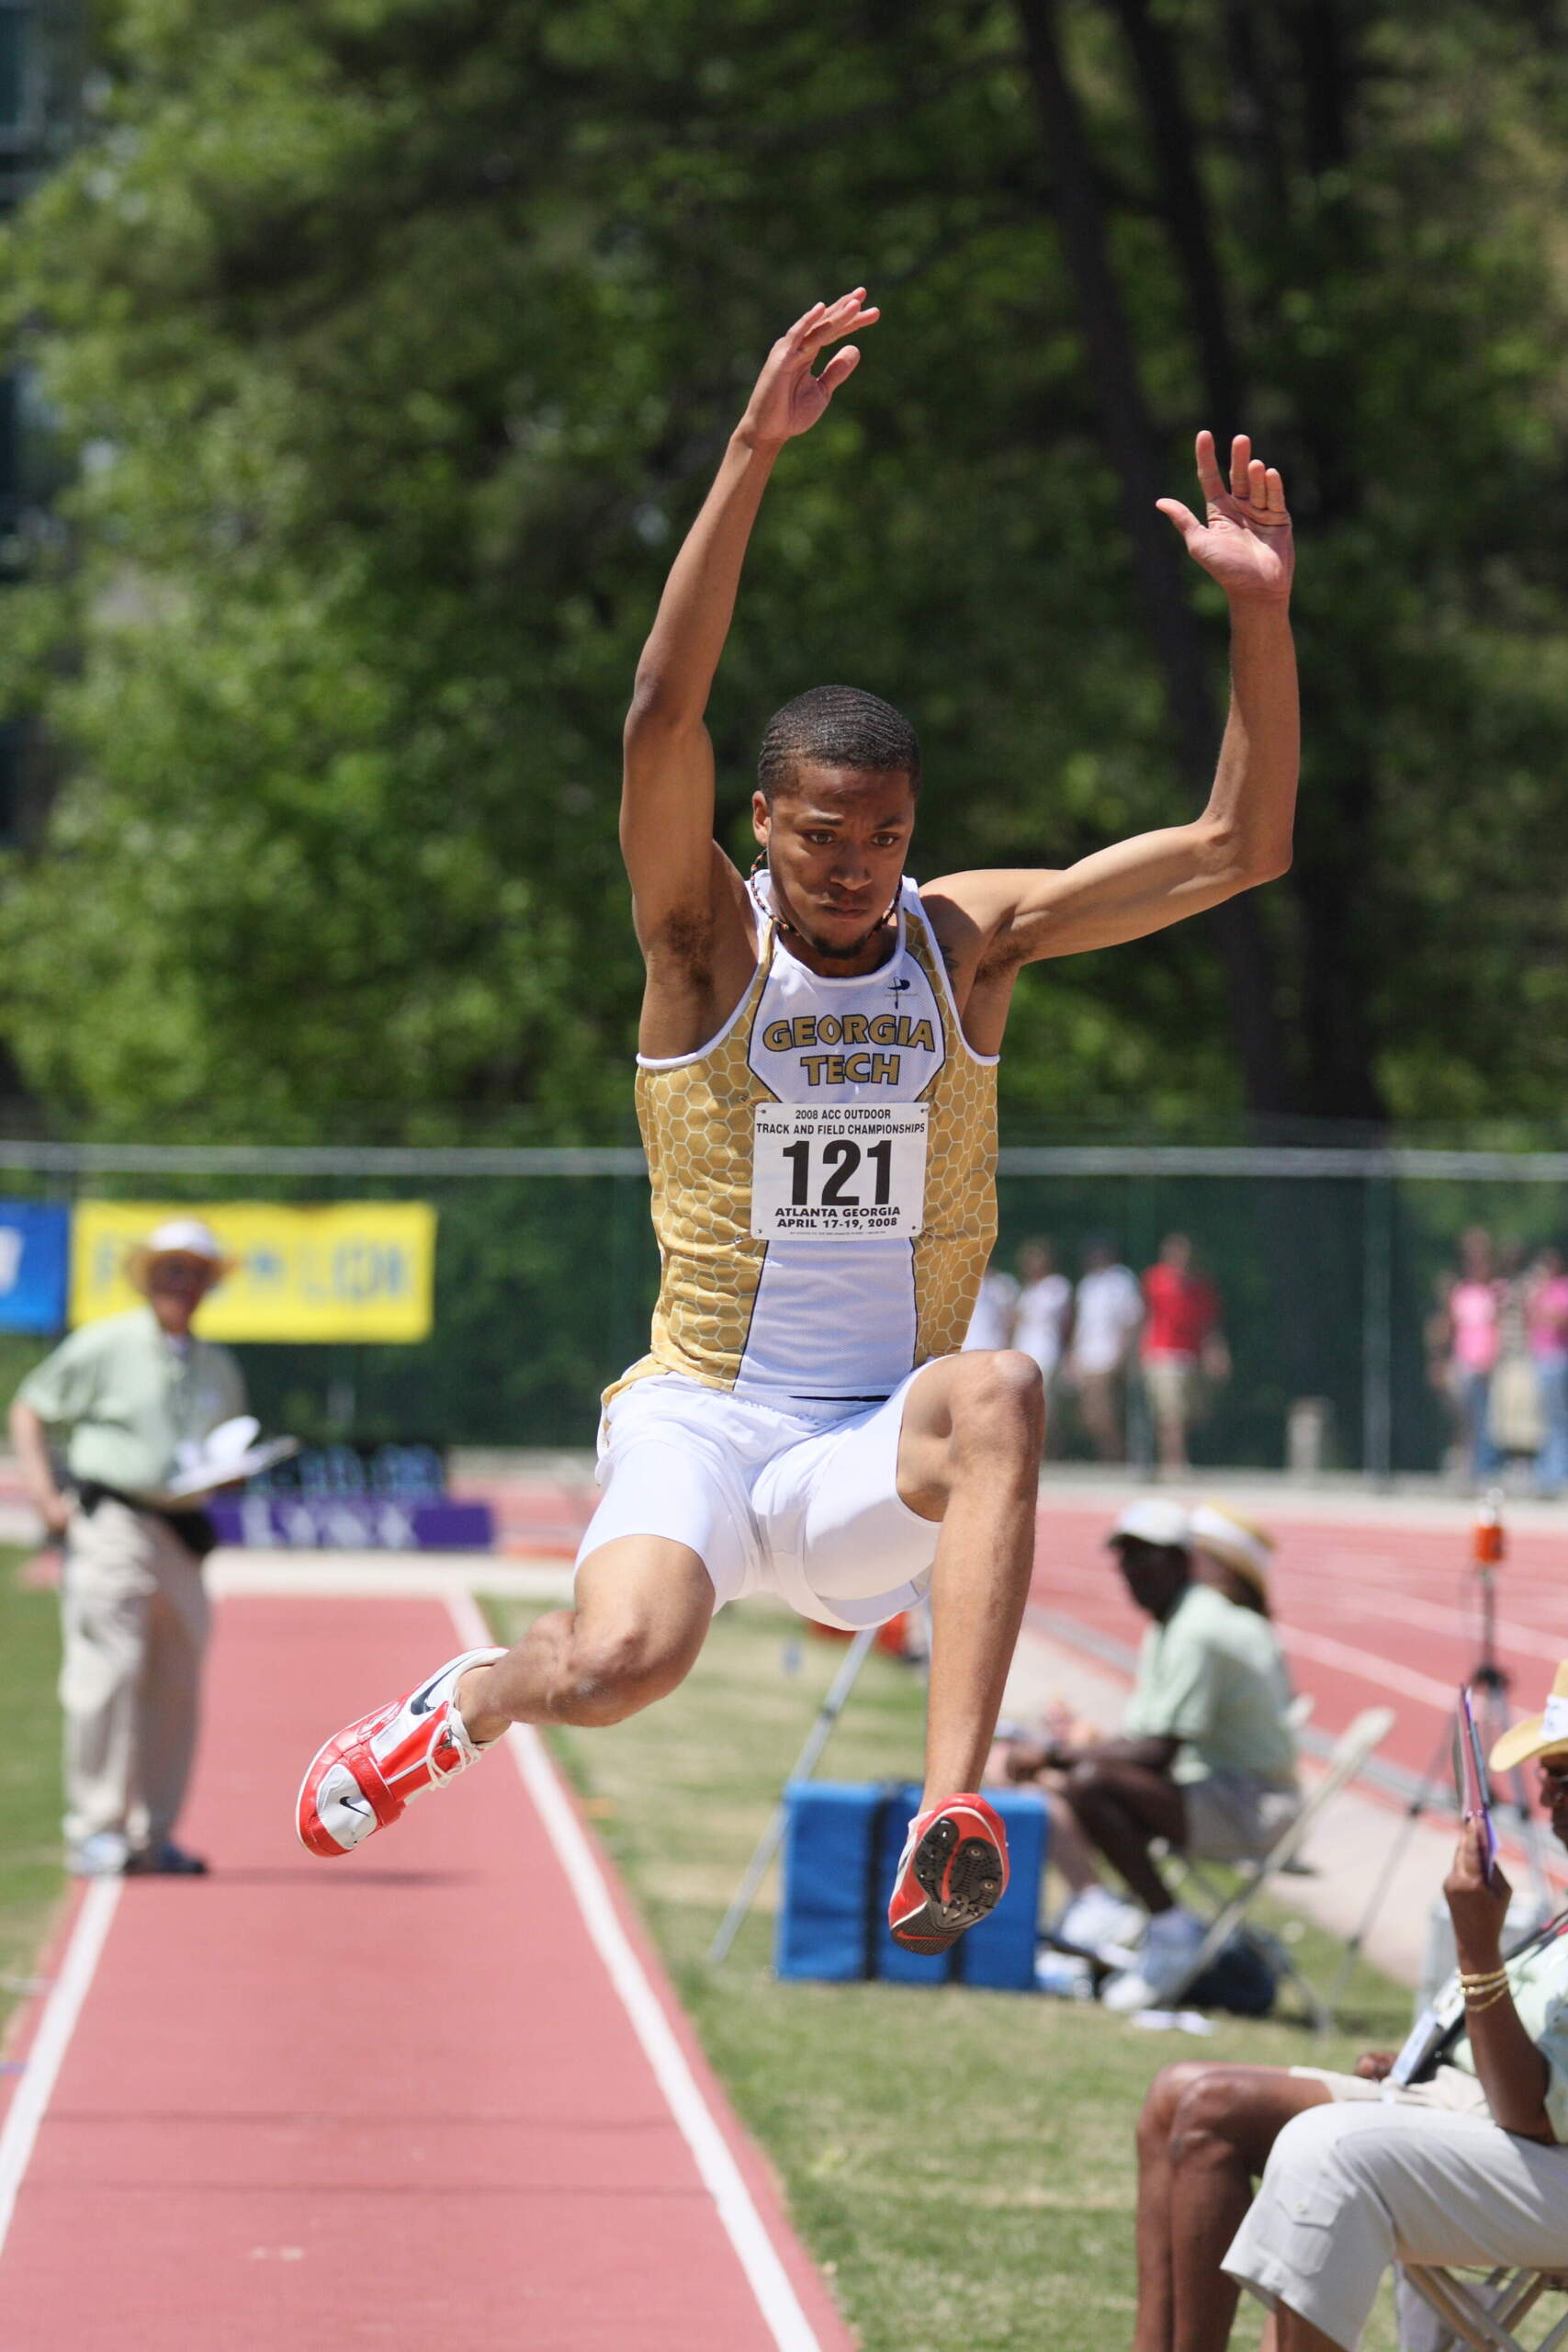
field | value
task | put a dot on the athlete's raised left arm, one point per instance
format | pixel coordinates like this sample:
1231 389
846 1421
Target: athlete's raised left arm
1001 919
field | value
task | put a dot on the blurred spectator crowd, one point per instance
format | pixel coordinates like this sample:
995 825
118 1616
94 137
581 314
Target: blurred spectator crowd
1496 1341
1113 1345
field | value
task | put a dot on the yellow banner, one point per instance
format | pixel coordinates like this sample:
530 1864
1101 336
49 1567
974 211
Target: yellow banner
356 1269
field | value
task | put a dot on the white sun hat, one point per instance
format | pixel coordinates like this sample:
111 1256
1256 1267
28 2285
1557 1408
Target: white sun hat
1153 1518
178 1237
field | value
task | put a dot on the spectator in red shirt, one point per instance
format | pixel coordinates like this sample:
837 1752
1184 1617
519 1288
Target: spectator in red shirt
1182 1345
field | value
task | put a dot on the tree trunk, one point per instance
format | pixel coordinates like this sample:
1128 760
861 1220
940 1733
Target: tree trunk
1132 446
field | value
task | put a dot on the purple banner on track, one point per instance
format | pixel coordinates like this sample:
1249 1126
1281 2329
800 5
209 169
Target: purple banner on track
354 1524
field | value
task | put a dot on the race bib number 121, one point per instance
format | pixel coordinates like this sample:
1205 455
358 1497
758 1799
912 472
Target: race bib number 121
853 1170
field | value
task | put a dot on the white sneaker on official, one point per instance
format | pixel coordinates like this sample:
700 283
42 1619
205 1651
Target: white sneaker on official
1164 1964
360 1779
1095 1918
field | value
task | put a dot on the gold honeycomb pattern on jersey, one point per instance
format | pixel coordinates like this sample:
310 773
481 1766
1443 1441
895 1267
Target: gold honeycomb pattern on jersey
697 1124
960 1229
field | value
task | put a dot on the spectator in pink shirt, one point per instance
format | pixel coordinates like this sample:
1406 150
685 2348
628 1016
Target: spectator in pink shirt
1546 1315
1474 1312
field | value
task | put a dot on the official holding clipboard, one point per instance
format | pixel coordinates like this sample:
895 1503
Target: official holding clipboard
134 1400
1456 2151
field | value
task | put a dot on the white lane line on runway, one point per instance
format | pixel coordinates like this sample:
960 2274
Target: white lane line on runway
721 2176
1364 1600
50 2044
1380 1672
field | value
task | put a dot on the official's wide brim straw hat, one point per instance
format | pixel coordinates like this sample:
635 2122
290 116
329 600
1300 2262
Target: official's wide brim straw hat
1238 1543
181 1236
1541 1734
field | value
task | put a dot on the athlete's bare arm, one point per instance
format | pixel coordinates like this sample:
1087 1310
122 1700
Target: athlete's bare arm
687 899
991 923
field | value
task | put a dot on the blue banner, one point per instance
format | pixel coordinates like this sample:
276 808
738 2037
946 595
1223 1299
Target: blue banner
354 1524
34 1254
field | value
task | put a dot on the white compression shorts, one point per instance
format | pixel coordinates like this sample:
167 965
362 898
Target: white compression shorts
771 1502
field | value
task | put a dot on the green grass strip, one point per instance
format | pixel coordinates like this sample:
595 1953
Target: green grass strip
960 2162
31 1877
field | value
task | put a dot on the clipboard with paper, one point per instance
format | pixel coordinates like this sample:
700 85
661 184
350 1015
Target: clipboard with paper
1435 2028
1472 1787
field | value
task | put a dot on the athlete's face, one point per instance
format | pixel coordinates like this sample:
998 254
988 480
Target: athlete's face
837 841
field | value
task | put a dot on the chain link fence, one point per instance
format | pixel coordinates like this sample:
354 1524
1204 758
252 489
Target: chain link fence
1327 1261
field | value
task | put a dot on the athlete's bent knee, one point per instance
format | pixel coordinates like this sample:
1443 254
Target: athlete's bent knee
604 1678
999 1401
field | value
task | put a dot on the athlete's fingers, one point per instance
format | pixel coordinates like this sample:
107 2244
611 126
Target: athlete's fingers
1276 481
1258 484
803 325
844 316
837 309
1210 480
1241 459
1186 522
840 368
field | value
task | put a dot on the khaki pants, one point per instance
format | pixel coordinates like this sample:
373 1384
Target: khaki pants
1353 2188
135 1616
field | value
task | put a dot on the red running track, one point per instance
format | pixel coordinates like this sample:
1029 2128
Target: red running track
1371 1611
1368 1611
393 2100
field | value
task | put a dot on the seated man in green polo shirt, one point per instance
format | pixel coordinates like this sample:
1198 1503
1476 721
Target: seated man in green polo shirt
1206 1758
132 1397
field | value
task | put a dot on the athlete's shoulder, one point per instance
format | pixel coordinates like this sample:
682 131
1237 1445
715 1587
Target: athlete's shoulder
949 921
965 912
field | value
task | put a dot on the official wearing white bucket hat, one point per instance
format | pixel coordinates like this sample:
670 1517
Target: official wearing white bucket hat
177 1240
130 1398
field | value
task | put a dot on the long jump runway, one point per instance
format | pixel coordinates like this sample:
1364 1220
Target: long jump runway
432 2094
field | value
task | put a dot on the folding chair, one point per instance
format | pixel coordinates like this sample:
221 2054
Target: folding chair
1486 2313
1345 1759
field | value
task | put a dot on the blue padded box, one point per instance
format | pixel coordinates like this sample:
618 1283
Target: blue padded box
842 1849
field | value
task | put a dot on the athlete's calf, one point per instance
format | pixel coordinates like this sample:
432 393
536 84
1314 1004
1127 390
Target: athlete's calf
974 1432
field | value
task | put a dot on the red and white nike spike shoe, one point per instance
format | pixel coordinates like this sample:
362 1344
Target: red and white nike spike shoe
953 1870
361 1779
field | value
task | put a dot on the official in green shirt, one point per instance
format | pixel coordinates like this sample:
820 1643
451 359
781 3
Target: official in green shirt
1205 1759
129 1399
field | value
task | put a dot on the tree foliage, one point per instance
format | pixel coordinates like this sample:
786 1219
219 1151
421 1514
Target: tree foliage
398 338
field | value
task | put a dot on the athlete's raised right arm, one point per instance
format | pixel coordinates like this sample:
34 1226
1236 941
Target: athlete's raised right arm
667 788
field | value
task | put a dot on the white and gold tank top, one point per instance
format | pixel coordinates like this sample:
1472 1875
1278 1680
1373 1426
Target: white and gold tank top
824 1179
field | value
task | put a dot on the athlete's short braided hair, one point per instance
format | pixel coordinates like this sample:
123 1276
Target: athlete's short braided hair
836 727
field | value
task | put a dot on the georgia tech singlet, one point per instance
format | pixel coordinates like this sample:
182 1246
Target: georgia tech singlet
824 1179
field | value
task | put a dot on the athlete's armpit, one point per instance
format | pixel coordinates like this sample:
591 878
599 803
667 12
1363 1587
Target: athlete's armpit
700 959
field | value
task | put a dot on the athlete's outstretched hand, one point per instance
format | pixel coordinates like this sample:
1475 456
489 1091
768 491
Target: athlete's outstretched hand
789 399
1244 540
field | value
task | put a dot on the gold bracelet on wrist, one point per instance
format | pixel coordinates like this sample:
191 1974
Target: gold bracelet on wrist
1475 2002
1483 1977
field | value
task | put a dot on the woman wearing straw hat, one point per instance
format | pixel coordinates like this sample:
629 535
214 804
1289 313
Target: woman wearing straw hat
1232 1553
1456 2152
132 1395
